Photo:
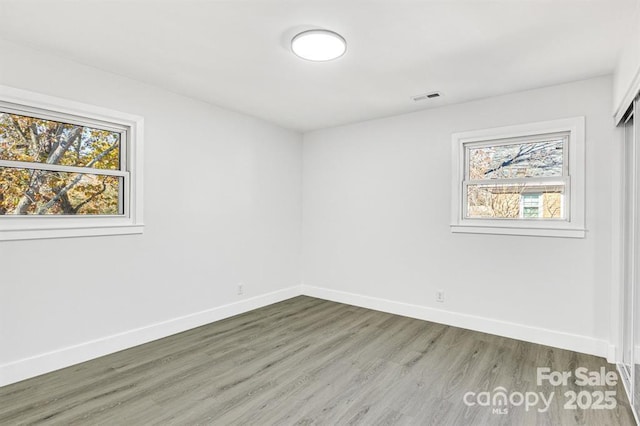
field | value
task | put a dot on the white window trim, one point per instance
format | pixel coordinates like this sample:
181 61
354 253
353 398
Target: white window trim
572 227
37 227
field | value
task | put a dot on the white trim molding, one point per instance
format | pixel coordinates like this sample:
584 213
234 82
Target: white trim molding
542 336
572 226
629 59
47 362
24 227
44 363
630 95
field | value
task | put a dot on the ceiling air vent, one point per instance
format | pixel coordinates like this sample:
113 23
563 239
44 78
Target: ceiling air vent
432 95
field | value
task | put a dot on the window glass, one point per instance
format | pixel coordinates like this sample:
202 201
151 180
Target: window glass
37 140
521 160
40 192
509 201
42 162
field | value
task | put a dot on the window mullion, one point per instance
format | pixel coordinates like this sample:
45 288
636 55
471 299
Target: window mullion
522 181
60 168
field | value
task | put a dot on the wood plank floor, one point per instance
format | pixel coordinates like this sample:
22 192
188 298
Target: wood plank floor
308 361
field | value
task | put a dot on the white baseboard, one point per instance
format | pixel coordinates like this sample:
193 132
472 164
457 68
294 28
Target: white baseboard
43 363
573 342
617 358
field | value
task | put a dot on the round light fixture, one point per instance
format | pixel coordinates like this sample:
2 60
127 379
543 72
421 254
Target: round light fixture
318 45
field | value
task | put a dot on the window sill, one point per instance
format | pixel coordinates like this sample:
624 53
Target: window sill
88 231
520 230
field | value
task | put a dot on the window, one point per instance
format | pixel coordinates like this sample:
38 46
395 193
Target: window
67 169
523 180
531 205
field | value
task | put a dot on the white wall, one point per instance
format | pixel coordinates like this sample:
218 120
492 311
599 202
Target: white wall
627 73
222 205
376 215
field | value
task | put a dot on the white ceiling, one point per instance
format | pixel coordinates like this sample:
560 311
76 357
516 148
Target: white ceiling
236 53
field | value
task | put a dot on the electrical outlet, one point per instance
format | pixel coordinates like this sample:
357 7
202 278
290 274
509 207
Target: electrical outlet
440 296
240 289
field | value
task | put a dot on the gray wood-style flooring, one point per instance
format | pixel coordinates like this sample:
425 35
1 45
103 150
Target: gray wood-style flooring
309 361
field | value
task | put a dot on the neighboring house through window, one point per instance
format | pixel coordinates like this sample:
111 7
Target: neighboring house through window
531 205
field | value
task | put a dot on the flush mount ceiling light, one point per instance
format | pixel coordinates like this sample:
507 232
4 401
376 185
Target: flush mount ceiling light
318 45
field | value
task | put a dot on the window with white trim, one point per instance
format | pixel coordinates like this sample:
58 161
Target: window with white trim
67 169
522 180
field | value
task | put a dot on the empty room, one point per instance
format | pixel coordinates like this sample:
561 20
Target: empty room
267 212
